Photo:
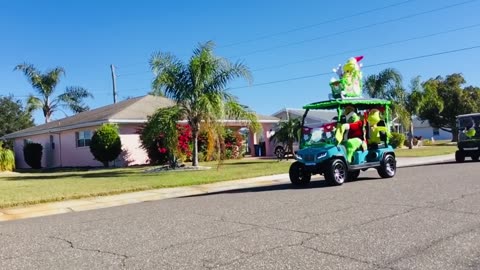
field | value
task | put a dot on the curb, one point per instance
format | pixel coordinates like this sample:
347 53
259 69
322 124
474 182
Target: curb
91 203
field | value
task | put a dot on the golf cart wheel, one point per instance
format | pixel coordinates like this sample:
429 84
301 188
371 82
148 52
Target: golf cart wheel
459 156
475 157
336 172
298 174
353 175
388 166
280 152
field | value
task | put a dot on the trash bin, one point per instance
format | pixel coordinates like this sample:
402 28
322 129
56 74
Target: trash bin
263 149
258 150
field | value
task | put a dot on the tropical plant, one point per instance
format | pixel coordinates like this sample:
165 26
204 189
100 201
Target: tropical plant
13 117
106 145
7 159
45 84
397 139
32 153
287 133
199 88
413 103
388 85
383 85
159 136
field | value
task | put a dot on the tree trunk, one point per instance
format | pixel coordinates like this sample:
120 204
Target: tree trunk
195 146
410 139
105 164
454 134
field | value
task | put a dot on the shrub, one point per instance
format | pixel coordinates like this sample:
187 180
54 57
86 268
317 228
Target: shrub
32 153
106 145
7 159
427 142
397 139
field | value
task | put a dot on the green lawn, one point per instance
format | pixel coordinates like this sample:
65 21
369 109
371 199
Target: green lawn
31 188
425 151
37 187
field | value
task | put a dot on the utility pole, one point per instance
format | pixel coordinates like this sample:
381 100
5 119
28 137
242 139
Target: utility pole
114 83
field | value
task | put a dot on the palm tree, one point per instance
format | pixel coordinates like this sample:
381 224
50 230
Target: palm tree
383 85
287 133
45 84
199 87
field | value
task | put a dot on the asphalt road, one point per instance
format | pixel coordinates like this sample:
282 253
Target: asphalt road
425 218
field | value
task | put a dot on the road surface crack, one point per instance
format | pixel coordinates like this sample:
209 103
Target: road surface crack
348 257
421 250
70 243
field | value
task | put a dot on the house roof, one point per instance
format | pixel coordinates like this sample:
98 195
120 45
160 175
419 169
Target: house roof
134 110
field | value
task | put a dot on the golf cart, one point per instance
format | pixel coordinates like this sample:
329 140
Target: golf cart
331 150
468 137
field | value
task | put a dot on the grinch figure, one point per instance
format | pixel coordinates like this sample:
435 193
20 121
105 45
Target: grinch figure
353 129
349 83
375 130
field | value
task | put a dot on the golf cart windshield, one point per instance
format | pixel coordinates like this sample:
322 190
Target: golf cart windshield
468 127
318 135
324 133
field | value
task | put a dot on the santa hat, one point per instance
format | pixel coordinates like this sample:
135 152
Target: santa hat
358 58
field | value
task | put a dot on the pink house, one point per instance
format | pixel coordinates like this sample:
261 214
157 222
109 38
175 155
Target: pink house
66 141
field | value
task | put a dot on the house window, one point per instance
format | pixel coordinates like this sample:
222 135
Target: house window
83 138
436 132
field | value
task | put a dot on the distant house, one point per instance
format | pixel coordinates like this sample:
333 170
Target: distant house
66 141
426 131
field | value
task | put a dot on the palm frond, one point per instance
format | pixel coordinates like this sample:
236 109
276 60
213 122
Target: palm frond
33 75
73 99
33 103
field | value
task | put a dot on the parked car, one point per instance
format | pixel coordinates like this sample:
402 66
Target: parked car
281 150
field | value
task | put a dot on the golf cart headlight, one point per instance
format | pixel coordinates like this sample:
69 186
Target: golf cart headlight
321 155
298 157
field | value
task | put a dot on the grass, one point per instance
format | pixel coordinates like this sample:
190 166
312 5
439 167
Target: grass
435 149
32 188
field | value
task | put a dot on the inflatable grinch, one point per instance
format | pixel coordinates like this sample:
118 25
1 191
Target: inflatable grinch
349 83
351 133
376 130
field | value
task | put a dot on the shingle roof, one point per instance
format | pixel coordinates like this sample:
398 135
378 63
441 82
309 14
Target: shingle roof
130 110
134 110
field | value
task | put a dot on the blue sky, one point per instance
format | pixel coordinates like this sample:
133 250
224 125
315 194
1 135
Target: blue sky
270 37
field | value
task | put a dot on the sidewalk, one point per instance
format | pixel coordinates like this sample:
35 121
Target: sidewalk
165 193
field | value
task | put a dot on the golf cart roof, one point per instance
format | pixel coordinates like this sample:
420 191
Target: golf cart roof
468 115
359 103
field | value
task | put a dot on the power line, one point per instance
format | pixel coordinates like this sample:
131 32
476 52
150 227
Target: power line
355 29
316 24
368 66
342 52
368 48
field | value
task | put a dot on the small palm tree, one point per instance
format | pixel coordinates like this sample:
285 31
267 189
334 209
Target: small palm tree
199 87
45 84
287 133
383 85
